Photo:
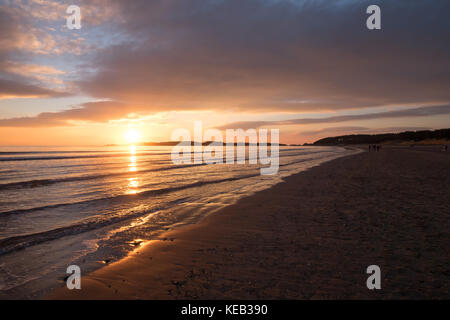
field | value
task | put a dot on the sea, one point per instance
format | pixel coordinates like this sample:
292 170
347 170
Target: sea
91 206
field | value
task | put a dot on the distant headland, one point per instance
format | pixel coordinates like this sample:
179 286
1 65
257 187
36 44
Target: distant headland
441 136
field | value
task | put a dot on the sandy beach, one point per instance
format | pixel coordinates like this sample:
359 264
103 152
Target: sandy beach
310 237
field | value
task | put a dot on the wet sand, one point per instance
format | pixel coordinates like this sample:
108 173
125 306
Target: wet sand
310 237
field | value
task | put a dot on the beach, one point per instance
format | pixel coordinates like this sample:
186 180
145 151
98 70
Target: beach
311 236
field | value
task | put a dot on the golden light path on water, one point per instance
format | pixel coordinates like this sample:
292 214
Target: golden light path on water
133 183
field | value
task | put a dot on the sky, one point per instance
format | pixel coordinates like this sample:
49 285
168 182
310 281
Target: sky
309 68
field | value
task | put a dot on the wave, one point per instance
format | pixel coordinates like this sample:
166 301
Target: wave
81 151
11 244
54 157
97 154
144 193
131 197
14 243
41 152
45 182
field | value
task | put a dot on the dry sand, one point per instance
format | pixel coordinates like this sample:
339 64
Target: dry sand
311 237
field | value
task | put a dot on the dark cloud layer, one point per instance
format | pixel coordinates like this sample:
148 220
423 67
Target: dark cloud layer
103 111
260 55
358 130
405 113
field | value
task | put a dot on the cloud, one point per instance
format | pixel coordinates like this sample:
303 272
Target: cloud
42 73
93 12
22 39
274 56
28 80
100 111
14 89
333 130
412 112
356 130
43 9
104 111
21 31
17 34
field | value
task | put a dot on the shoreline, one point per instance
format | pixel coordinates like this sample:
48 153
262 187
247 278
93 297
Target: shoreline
309 237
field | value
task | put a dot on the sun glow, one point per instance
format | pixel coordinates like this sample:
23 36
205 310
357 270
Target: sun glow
132 135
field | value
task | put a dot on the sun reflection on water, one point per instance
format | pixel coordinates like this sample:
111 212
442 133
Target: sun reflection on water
132 165
133 183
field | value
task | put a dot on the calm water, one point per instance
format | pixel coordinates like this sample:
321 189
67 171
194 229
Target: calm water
61 206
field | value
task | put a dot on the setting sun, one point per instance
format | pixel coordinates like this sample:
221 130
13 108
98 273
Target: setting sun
132 135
